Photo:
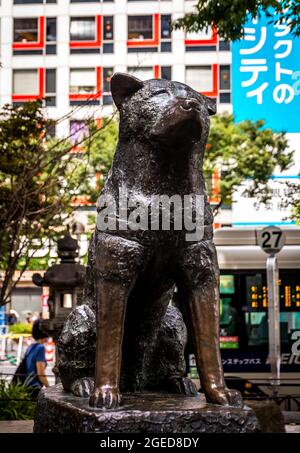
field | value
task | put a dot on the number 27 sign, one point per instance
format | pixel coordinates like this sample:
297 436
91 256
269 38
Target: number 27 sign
271 239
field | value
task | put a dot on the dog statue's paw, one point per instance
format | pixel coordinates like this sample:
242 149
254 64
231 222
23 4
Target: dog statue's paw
105 397
83 387
182 385
224 397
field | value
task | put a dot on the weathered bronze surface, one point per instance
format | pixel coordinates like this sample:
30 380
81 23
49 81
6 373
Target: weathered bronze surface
140 413
132 273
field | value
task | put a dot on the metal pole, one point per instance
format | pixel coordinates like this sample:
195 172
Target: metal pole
20 349
3 347
274 321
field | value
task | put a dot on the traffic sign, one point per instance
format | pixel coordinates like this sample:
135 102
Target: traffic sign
271 239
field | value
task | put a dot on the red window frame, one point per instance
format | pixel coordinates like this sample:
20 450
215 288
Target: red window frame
40 44
213 40
215 77
33 97
90 44
156 71
154 42
87 97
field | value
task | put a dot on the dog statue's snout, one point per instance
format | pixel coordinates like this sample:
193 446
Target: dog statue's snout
190 104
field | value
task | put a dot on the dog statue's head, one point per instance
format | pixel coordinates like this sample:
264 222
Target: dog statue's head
168 112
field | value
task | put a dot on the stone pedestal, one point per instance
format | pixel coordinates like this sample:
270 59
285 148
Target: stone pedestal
61 412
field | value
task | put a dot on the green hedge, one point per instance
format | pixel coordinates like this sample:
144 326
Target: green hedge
16 402
20 327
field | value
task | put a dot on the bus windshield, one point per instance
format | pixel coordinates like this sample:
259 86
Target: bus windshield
244 317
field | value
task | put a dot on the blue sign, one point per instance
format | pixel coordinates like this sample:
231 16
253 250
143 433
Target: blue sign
3 319
266 76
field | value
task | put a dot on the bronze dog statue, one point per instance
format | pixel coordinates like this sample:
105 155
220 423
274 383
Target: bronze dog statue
132 272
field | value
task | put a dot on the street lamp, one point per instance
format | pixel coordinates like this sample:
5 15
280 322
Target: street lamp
65 281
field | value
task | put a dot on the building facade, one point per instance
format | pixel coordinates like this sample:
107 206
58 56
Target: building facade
66 50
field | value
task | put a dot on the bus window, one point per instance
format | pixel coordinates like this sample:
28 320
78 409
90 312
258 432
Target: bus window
244 310
227 284
228 317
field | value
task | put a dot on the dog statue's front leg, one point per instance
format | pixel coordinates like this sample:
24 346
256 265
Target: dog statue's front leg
118 262
200 298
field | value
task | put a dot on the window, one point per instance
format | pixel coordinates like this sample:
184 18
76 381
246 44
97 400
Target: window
244 309
90 1
145 73
166 72
28 84
107 74
82 81
82 29
165 26
199 35
50 87
140 27
225 77
34 36
85 86
26 30
108 28
25 82
106 97
225 84
165 33
51 29
108 34
199 78
25 2
224 45
202 40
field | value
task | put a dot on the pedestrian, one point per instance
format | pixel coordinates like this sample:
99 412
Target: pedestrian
28 317
36 359
12 318
35 317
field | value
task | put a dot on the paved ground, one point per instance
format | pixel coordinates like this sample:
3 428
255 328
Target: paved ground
14 427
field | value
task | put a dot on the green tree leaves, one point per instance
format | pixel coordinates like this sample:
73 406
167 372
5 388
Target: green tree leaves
244 150
36 188
230 16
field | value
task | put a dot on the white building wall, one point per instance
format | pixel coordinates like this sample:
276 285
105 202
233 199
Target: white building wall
119 60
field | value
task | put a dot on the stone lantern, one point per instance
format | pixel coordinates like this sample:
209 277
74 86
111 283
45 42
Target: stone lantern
65 281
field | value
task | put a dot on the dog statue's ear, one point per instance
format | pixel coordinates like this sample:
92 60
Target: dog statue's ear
123 86
211 105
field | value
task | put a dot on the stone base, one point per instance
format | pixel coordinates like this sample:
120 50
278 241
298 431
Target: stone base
61 412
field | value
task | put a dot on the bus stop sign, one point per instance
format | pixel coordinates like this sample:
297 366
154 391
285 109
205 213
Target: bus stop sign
271 239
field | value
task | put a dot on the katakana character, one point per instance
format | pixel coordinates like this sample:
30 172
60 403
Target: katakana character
255 66
258 92
289 46
250 36
283 93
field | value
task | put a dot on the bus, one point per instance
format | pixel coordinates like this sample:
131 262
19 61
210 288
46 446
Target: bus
244 311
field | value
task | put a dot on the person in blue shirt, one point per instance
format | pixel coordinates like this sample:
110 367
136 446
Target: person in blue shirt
36 359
